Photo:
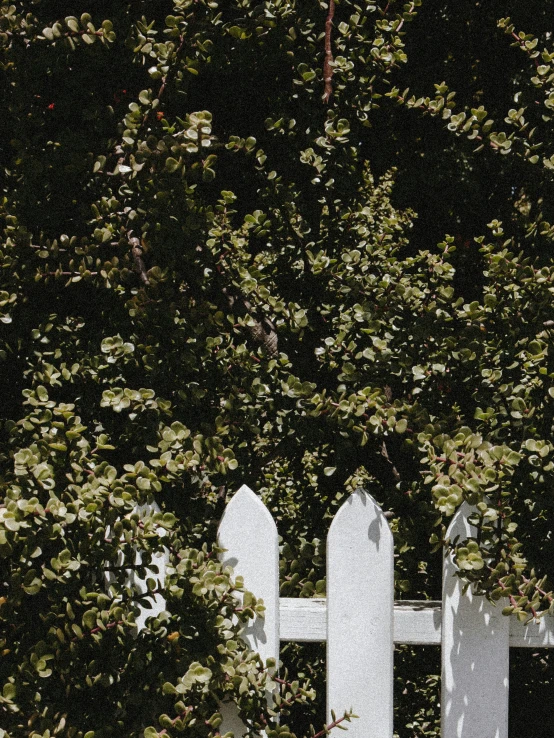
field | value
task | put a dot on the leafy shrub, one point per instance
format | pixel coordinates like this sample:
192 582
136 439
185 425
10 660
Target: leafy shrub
205 284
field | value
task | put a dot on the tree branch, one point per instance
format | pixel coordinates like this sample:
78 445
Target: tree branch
327 64
263 331
137 256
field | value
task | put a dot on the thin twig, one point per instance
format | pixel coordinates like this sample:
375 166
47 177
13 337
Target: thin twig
330 727
385 455
172 69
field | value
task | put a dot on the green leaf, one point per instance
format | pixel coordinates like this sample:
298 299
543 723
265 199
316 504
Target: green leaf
72 23
172 165
89 619
401 425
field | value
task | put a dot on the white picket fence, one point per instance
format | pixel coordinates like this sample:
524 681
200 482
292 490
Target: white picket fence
360 621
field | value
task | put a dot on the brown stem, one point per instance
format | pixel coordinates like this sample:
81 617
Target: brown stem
166 78
329 727
263 331
327 64
185 712
539 590
522 46
385 455
108 626
161 91
137 256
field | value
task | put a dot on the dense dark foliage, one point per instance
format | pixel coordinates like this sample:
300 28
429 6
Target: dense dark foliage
301 245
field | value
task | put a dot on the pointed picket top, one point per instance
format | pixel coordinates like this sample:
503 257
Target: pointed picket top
360 592
249 534
475 653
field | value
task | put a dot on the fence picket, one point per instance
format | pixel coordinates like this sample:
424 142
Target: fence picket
360 586
475 655
153 605
156 602
249 534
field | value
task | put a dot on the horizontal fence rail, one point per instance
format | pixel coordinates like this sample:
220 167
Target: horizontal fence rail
416 623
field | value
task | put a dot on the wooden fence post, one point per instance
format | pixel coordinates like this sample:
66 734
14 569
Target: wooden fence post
249 534
475 654
360 592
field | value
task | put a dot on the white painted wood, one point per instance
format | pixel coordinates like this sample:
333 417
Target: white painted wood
249 534
416 622
157 601
532 635
475 655
230 720
303 620
360 587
